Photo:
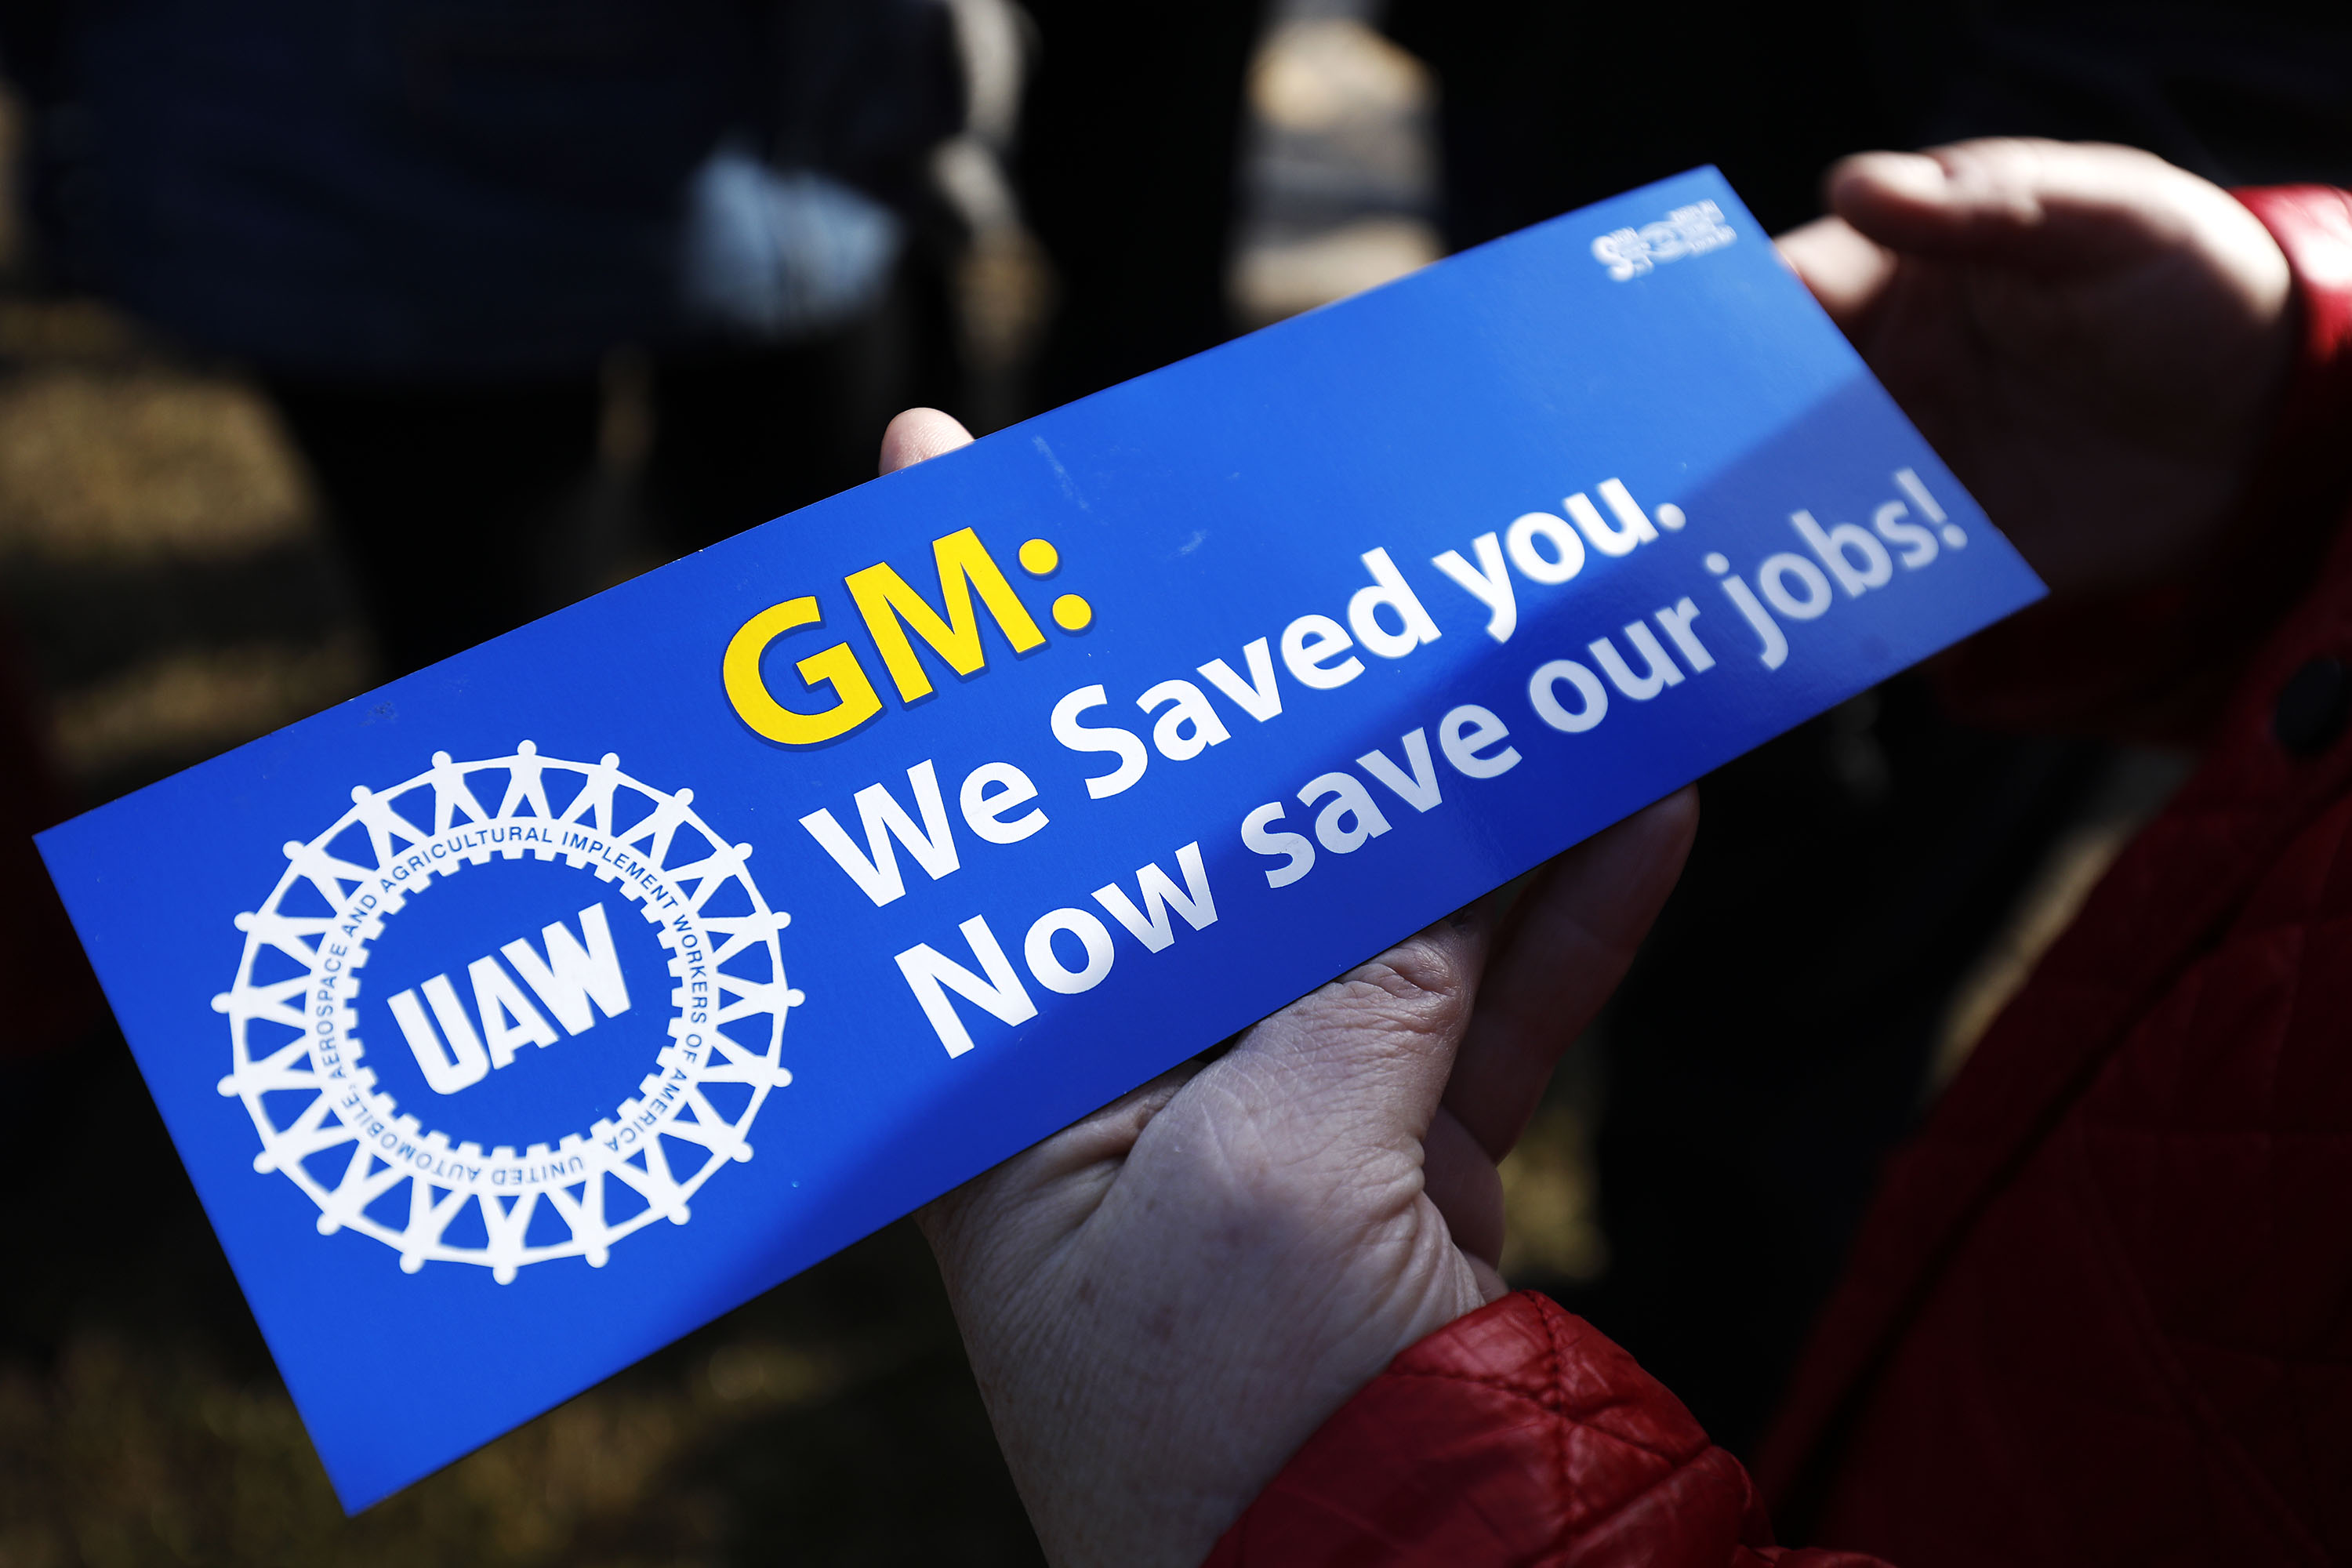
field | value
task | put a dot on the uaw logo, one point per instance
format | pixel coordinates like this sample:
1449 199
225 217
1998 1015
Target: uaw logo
508 1011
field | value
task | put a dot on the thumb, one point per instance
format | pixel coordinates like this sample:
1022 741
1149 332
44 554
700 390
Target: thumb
1371 1052
919 433
2051 207
1846 271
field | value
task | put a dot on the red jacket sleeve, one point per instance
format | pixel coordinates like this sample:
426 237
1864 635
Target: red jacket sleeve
1514 1435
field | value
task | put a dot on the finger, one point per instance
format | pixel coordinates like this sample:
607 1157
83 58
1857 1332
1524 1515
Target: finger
919 433
1846 272
1572 937
1462 1180
1371 1051
2049 206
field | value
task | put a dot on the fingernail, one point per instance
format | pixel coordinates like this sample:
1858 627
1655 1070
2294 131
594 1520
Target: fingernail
1911 173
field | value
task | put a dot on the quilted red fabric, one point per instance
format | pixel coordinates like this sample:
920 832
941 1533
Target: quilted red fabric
1518 1434
2102 1310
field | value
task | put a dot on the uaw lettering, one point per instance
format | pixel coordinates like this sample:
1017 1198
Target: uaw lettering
328 1112
573 980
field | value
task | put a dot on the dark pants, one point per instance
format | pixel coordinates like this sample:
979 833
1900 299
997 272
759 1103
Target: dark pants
1127 170
460 505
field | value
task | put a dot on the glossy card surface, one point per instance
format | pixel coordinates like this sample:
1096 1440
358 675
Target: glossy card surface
522 1016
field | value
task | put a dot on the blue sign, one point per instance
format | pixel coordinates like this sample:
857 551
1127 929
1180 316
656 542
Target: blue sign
519 1017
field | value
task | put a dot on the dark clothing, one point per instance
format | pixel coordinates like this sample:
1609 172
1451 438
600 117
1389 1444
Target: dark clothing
1127 172
458 503
443 189
390 189
427 223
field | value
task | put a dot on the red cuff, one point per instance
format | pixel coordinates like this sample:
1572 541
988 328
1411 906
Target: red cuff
1516 1435
2312 224
2158 664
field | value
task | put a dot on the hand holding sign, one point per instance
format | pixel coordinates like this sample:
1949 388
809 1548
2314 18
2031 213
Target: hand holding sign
2092 338
1162 1302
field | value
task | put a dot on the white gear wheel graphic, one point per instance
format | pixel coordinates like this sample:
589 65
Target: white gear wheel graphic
327 1124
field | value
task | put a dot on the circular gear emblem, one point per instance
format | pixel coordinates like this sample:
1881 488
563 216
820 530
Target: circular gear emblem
632 1057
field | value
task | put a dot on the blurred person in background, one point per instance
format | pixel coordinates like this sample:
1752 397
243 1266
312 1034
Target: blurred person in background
427 227
1252 1312
1126 167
